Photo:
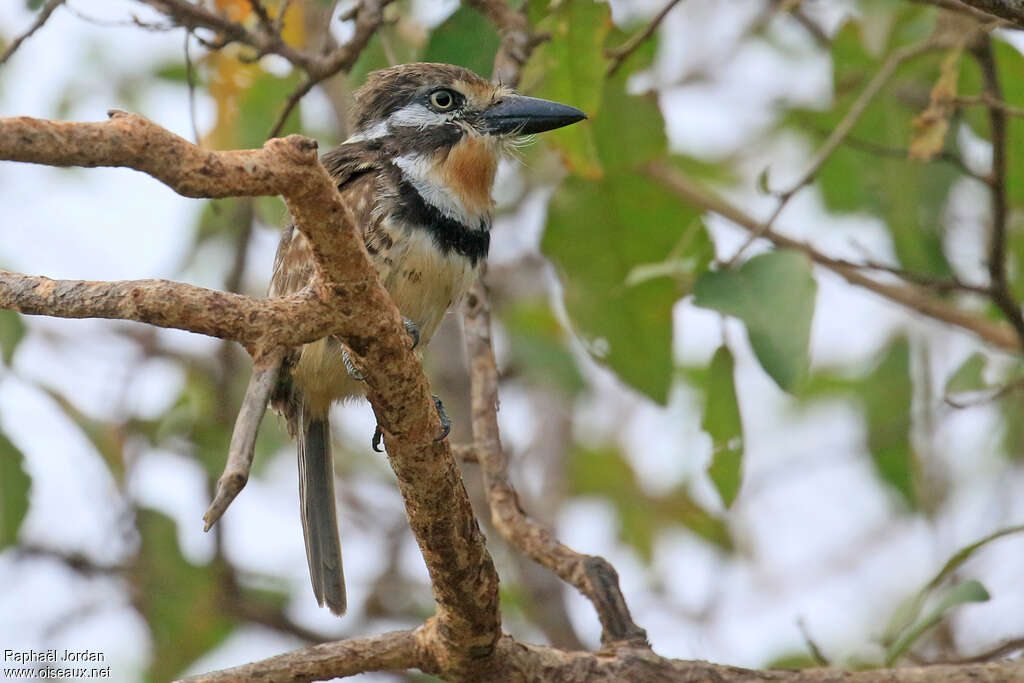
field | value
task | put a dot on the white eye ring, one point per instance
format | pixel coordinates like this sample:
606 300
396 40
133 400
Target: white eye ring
443 100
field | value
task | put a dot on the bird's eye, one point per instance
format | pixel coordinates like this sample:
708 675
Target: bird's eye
443 100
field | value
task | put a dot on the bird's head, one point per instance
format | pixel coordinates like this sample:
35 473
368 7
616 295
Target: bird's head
446 128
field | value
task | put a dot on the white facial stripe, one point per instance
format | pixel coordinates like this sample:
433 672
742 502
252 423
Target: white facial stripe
410 116
417 170
415 115
377 130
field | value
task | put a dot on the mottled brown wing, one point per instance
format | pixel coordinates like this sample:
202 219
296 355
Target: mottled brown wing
356 170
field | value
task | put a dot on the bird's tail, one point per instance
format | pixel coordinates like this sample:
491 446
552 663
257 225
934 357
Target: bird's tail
319 515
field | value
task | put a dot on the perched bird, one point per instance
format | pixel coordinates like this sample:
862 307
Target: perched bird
417 174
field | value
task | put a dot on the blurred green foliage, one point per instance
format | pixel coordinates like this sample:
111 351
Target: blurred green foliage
722 423
12 330
14 487
628 251
773 294
179 600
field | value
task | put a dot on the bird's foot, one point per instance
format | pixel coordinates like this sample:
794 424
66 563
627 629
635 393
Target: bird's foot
446 427
353 371
446 423
414 331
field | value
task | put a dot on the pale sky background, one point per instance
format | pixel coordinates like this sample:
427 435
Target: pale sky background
819 538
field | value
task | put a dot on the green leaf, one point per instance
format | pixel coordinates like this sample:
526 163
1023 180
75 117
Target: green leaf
910 608
605 473
570 69
722 422
968 377
626 221
773 294
12 330
260 105
14 486
887 393
966 592
599 231
180 601
538 347
870 171
466 38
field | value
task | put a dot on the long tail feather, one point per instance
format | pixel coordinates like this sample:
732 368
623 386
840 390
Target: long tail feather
319 515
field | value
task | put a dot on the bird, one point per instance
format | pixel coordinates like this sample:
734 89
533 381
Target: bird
417 174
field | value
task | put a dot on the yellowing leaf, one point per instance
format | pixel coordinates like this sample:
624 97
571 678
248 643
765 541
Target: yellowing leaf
931 125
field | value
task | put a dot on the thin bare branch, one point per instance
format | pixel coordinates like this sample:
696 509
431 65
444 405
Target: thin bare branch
838 134
621 53
41 18
964 7
592 576
1010 11
518 41
1001 295
395 650
997 334
986 100
251 322
243 438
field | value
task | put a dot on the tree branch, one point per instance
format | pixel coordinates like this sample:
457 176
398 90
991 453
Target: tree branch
997 334
592 576
838 134
517 662
1001 295
345 299
517 39
44 15
621 53
395 650
1010 10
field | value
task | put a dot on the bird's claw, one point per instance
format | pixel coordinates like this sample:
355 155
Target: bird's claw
414 331
446 423
446 427
353 371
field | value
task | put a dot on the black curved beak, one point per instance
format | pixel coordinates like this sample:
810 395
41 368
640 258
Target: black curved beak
525 115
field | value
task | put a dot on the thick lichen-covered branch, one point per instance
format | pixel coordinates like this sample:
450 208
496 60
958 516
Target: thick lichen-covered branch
346 299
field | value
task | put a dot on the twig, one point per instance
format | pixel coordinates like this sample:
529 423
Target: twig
243 438
819 658
986 100
997 334
902 153
518 41
395 650
592 576
190 78
293 100
1011 11
977 13
839 133
990 397
261 13
1001 295
43 15
997 652
621 53
369 15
